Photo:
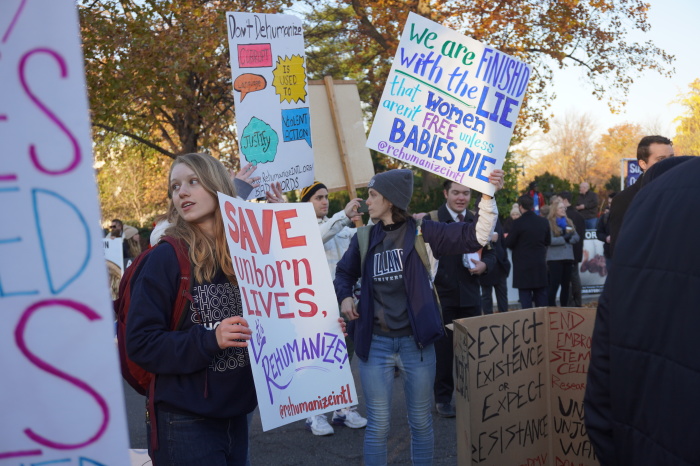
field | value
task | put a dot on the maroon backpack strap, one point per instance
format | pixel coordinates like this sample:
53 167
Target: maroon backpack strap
184 293
151 415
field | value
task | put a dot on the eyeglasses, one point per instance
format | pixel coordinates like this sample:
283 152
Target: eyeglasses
112 226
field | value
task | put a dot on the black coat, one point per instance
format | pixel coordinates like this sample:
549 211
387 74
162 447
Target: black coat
641 399
618 208
502 266
603 231
456 287
580 226
529 238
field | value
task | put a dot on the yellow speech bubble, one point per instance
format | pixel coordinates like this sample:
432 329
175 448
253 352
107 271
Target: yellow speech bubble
290 79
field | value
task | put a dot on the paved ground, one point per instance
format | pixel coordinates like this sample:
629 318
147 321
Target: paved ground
293 445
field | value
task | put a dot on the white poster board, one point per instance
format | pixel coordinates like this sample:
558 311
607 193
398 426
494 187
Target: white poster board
273 122
593 269
114 251
449 105
61 393
297 351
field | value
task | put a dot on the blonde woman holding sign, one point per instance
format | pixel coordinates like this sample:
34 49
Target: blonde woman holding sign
204 387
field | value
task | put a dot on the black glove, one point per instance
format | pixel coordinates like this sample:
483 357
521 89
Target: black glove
567 237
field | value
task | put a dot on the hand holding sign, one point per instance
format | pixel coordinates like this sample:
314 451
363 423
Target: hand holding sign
272 114
233 332
296 346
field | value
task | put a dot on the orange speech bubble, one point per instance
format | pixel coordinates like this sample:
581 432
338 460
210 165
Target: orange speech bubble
249 82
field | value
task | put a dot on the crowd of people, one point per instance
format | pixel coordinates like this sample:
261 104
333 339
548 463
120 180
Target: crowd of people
395 318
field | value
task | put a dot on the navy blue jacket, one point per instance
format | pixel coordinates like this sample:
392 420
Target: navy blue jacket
642 402
455 285
185 360
423 311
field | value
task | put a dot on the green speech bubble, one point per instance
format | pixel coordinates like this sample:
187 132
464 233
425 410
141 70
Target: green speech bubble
259 142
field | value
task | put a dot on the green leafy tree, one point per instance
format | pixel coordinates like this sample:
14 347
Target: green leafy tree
613 184
549 184
508 195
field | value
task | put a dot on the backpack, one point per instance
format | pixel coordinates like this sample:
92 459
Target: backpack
423 249
141 380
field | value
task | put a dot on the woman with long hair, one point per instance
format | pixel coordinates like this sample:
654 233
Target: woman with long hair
132 242
560 253
204 386
397 319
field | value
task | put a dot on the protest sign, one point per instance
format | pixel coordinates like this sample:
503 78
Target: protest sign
339 143
520 381
270 93
449 105
297 351
114 251
61 393
593 269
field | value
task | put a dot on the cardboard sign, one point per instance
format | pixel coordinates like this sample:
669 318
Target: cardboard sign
270 92
328 166
520 381
61 393
297 353
449 105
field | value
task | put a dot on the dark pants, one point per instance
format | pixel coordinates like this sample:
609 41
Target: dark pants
528 296
575 285
501 296
559 275
444 383
191 440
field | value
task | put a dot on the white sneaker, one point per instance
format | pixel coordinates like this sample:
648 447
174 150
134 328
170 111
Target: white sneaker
349 418
318 425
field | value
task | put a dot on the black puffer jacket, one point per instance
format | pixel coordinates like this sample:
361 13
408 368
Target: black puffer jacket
642 405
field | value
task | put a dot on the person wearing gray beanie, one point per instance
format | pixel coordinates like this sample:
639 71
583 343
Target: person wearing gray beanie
398 317
395 185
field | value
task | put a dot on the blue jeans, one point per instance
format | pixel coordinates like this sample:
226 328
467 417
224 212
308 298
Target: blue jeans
190 440
591 223
377 373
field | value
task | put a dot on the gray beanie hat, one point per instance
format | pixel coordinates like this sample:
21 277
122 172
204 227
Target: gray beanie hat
395 185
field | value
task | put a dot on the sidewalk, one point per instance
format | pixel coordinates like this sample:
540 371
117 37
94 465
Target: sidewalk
293 445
